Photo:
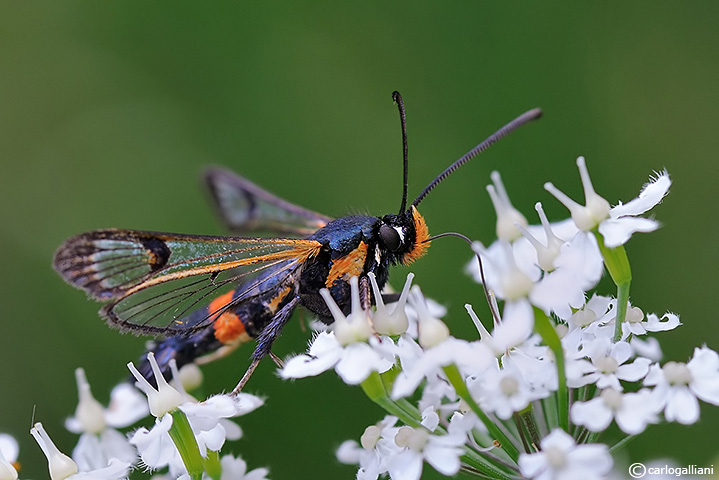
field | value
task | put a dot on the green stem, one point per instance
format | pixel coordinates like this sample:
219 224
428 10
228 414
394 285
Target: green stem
528 422
455 378
212 465
183 438
621 443
617 263
374 388
622 304
486 468
549 336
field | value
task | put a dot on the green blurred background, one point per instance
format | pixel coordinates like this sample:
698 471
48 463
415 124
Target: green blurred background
109 110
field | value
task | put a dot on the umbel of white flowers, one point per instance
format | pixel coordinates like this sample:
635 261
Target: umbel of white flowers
499 406
495 407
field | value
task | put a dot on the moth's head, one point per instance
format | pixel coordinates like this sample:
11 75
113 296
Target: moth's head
404 237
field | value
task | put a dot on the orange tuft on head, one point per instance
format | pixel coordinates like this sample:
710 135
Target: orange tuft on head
421 236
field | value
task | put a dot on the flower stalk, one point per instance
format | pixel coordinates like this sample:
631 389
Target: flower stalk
181 434
375 389
455 378
617 263
549 336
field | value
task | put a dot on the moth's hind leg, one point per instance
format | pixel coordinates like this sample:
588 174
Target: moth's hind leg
265 339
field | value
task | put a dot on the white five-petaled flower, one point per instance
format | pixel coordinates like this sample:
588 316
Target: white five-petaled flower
617 224
632 411
351 349
207 419
678 385
608 364
562 459
502 391
376 446
418 445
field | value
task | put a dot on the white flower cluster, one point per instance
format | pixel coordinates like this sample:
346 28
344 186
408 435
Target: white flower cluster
530 397
560 364
186 433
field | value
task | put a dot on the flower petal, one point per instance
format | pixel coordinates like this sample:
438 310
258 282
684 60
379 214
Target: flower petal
682 406
618 231
358 361
650 196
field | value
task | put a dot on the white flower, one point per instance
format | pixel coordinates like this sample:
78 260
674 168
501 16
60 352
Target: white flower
99 444
593 312
502 391
616 225
392 321
648 348
608 365
624 219
62 467
431 330
678 385
236 469
508 217
578 268
516 326
638 325
419 445
504 276
155 445
632 411
469 357
567 270
562 459
537 367
596 209
351 348
8 454
543 252
353 362
162 399
207 419
375 448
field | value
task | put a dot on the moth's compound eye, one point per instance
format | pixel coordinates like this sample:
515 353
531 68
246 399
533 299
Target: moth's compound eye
390 237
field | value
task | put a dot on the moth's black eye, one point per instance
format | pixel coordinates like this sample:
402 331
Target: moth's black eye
390 237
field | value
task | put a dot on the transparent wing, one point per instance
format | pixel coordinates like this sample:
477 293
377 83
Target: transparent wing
245 207
156 281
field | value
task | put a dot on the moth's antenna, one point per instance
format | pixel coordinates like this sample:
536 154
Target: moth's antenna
487 295
499 134
397 98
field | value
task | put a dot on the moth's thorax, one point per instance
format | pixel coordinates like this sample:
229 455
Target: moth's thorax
355 246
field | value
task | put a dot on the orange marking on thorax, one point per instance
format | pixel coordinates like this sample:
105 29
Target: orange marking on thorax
275 302
348 266
421 235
